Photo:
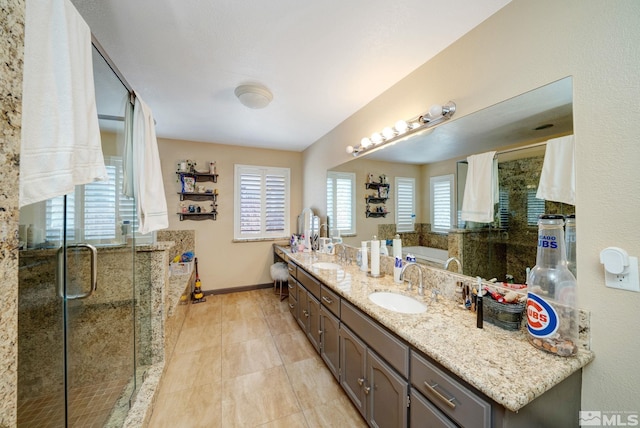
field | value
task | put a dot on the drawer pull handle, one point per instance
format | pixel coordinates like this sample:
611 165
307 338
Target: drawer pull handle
291 305
448 401
290 286
306 314
328 300
360 381
367 389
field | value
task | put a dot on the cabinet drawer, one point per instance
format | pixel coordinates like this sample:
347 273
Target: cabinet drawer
309 282
384 343
292 269
449 395
330 300
424 414
292 285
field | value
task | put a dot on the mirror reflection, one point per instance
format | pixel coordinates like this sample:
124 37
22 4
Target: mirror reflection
426 176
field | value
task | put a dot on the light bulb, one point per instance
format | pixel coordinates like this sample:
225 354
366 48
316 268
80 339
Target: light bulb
435 111
365 142
376 138
401 126
388 133
349 149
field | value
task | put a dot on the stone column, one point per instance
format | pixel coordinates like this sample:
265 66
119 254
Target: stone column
11 61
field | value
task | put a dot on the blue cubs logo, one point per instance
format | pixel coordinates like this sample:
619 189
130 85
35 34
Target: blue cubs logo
542 318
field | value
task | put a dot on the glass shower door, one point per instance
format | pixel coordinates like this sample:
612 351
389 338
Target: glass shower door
77 317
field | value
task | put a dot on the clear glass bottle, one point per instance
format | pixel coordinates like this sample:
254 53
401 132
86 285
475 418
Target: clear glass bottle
570 241
552 316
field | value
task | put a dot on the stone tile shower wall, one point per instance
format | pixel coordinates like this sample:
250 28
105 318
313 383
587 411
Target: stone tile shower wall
98 326
11 60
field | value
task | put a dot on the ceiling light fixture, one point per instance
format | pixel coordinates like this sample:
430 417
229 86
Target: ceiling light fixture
402 129
254 95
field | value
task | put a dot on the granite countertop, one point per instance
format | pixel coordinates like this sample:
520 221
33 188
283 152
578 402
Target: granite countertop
499 363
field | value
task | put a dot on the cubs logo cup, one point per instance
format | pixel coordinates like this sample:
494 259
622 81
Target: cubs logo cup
542 318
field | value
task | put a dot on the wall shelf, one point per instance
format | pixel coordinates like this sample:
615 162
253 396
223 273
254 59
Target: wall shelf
376 185
380 198
374 200
189 191
198 196
198 216
200 176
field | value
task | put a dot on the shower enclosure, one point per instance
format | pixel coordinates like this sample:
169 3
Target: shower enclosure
80 322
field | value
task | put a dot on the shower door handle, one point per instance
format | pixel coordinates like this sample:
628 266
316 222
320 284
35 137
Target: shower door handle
94 272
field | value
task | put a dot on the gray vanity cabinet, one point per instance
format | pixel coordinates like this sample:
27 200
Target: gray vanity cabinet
293 290
455 400
423 414
330 341
313 321
302 312
353 359
377 391
388 394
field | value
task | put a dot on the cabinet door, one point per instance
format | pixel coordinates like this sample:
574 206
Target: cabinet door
302 314
313 324
330 341
387 394
352 367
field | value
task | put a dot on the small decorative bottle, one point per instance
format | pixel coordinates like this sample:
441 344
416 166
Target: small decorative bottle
552 317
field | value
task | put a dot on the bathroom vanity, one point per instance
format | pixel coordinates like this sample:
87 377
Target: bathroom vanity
433 369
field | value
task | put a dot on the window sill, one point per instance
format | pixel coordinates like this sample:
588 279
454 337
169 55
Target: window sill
243 240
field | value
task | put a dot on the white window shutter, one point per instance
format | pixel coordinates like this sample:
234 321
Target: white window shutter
405 209
261 202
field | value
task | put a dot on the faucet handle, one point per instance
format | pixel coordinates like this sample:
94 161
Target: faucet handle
434 295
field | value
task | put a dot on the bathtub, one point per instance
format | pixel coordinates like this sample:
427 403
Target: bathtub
434 256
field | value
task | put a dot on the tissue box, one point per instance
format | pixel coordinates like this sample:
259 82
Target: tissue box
181 268
504 315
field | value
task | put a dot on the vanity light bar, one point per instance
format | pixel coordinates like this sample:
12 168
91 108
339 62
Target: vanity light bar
436 114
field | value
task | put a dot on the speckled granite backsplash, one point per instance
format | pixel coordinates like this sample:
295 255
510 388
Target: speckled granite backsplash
11 54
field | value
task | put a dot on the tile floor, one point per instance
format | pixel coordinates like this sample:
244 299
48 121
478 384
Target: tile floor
242 361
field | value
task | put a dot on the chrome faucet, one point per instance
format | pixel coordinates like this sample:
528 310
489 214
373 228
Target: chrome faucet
420 285
453 259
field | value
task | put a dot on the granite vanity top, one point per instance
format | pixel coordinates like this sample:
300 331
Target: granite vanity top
499 363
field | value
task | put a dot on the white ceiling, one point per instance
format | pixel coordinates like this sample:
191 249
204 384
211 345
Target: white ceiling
322 60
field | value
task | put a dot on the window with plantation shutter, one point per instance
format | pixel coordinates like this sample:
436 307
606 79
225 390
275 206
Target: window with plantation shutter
405 192
261 202
535 207
441 202
503 209
95 210
341 201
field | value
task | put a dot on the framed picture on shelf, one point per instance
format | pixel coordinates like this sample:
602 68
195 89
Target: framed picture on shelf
383 192
188 184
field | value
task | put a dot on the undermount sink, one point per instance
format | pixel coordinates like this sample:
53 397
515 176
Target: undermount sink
397 302
326 265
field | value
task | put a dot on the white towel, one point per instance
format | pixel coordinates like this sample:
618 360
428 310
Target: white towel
147 173
60 134
481 188
558 177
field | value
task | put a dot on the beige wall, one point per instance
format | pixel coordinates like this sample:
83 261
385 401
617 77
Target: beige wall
223 263
525 45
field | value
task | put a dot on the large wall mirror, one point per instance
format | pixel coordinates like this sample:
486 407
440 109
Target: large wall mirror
517 129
